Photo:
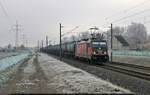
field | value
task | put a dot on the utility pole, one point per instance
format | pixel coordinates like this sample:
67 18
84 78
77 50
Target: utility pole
38 45
42 45
49 42
24 40
16 37
46 41
60 40
111 42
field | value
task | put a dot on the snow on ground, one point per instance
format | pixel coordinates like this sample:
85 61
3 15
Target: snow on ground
9 61
9 65
6 54
137 60
29 78
30 68
5 75
67 79
24 82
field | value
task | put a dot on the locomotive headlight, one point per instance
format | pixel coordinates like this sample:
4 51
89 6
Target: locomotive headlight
94 52
105 52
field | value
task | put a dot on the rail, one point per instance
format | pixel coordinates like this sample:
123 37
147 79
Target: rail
132 70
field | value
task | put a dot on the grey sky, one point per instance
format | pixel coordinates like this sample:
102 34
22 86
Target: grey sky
41 17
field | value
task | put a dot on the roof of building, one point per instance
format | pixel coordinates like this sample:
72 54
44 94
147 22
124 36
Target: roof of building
122 40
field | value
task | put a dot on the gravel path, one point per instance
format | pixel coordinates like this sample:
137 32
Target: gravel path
44 74
140 87
68 79
28 79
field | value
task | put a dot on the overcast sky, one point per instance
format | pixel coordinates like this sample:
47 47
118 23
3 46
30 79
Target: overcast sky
39 18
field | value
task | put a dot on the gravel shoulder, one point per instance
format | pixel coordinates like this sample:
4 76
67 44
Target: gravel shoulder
139 86
67 79
45 74
28 79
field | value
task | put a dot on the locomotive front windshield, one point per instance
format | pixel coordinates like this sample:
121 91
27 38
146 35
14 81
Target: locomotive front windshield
99 44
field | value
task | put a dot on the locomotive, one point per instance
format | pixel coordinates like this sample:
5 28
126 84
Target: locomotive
93 50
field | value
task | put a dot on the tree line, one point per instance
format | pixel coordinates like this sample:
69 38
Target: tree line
135 34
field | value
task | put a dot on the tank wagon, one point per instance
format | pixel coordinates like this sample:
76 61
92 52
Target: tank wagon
93 50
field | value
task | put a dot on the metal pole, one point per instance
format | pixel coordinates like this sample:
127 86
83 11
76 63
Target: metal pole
49 42
60 42
17 27
16 42
111 42
42 45
46 41
38 45
46 44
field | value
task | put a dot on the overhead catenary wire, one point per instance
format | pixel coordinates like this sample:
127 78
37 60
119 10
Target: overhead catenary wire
128 9
4 11
133 7
71 31
135 19
126 17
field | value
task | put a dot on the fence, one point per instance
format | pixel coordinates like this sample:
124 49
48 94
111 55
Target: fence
132 53
9 61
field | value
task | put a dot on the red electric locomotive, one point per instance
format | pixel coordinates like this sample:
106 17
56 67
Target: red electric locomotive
93 49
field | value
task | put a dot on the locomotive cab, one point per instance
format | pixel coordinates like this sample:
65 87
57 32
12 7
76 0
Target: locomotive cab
99 52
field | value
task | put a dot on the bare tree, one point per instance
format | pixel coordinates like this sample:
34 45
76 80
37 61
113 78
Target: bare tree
85 35
136 34
9 46
64 40
73 38
116 31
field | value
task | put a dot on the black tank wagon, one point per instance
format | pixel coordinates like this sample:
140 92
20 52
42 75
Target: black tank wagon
93 50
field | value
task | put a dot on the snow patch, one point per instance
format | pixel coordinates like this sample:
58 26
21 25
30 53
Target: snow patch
67 79
30 68
9 61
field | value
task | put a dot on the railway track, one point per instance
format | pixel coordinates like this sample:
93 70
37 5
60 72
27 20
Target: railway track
129 69
136 84
131 65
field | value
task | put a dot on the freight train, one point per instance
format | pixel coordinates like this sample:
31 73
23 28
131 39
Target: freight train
93 50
